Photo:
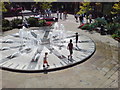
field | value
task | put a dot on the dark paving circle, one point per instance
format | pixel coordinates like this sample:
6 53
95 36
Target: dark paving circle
19 56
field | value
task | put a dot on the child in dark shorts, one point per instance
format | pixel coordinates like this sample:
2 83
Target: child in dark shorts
76 38
45 60
70 47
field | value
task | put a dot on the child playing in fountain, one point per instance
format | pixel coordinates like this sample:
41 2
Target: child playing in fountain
70 47
76 38
45 60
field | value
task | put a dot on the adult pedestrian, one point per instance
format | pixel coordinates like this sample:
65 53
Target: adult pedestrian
70 48
46 13
65 14
76 17
86 16
81 19
106 17
60 14
57 14
49 13
90 18
25 23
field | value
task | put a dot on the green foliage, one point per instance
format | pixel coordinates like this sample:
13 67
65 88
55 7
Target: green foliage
93 25
89 26
6 28
85 27
112 27
117 32
44 1
85 8
116 35
42 22
3 5
46 5
100 21
33 22
116 19
116 8
5 23
16 22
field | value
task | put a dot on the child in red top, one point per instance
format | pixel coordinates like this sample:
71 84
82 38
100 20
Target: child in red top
45 60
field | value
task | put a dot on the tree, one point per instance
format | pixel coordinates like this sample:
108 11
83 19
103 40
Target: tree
44 0
46 5
85 8
4 7
116 8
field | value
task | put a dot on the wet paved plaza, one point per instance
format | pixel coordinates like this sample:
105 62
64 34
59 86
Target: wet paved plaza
99 71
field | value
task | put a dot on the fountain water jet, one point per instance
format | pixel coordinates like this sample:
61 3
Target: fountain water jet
29 39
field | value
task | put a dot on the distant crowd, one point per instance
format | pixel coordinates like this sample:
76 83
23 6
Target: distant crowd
80 17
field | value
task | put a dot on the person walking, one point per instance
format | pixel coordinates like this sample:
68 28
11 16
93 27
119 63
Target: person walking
81 19
45 60
25 23
76 17
60 14
76 38
70 48
57 14
65 15
90 18
86 16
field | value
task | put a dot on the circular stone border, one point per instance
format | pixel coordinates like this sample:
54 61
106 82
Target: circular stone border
52 69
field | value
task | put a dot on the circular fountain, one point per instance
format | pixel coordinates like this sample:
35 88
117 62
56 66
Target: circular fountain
24 51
